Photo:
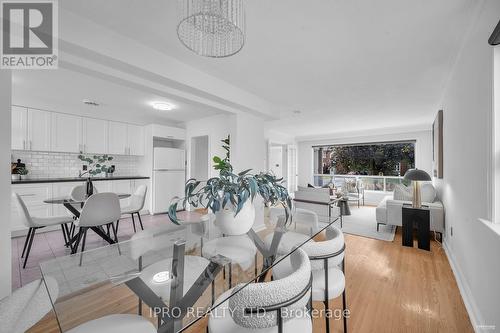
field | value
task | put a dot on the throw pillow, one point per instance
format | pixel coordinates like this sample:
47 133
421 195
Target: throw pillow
427 192
403 193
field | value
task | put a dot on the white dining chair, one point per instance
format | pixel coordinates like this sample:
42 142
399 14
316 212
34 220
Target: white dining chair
304 224
27 305
34 223
136 205
79 192
328 268
258 307
100 209
240 250
149 245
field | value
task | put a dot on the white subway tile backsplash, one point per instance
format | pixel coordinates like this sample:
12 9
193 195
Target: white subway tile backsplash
50 165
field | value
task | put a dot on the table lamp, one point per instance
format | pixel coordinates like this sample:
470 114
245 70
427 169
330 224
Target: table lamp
416 176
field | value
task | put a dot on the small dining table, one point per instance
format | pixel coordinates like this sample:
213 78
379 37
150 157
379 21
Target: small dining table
69 203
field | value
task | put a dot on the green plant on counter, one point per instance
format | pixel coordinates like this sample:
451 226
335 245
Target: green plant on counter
22 171
96 164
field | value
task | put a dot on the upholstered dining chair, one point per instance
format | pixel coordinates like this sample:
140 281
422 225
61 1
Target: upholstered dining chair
328 266
34 223
100 209
27 305
79 194
304 225
136 205
258 307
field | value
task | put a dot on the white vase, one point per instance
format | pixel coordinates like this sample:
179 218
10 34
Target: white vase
235 225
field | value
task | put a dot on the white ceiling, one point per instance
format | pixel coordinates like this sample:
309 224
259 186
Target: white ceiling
64 90
347 65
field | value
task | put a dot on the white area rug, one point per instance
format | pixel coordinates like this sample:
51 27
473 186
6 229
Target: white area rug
362 222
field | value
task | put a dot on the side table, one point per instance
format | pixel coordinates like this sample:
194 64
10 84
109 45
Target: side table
419 218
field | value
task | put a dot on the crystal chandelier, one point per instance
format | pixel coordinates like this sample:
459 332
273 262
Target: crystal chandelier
212 28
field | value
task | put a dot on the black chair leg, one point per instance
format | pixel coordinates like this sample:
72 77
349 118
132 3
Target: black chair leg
133 222
29 246
28 236
140 220
117 225
344 306
83 244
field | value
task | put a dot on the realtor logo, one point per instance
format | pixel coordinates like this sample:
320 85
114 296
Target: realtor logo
29 34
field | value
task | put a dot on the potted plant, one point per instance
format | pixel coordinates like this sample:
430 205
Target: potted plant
94 166
22 172
230 196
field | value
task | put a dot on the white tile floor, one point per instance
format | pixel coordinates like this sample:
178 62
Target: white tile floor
48 245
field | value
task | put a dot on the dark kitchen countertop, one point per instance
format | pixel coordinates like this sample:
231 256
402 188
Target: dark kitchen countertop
73 179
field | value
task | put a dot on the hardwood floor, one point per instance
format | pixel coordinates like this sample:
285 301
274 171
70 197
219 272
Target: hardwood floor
390 288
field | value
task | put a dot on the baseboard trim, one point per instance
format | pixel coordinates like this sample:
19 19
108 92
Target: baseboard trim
470 304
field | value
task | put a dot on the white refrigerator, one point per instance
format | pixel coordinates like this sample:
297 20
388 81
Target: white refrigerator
169 177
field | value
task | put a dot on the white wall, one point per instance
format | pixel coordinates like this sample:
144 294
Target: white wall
474 248
216 128
248 151
200 158
5 243
423 149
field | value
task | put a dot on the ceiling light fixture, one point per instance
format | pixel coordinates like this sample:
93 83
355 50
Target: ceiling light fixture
162 106
90 102
212 28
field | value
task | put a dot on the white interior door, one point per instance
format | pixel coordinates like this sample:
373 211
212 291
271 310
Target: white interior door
38 130
276 160
292 168
19 127
200 158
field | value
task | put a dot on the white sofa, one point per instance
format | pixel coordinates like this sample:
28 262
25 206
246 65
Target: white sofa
317 200
389 212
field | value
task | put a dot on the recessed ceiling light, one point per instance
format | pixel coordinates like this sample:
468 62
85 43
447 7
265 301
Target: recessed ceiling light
162 106
90 102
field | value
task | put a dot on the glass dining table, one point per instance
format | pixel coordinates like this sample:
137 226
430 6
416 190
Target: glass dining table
71 205
172 275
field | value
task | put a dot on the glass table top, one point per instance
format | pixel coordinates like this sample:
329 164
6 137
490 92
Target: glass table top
172 275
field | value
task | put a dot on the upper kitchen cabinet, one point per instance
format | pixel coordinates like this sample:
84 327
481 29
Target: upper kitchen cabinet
38 130
30 129
95 136
167 132
19 127
117 138
135 136
125 139
66 133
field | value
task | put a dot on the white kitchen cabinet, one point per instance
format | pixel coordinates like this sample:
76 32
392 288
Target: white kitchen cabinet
117 138
39 130
168 132
135 138
19 129
122 186
30 129
95 136
33 196
66 133
103 186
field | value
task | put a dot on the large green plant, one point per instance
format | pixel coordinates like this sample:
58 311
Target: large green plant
231 189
